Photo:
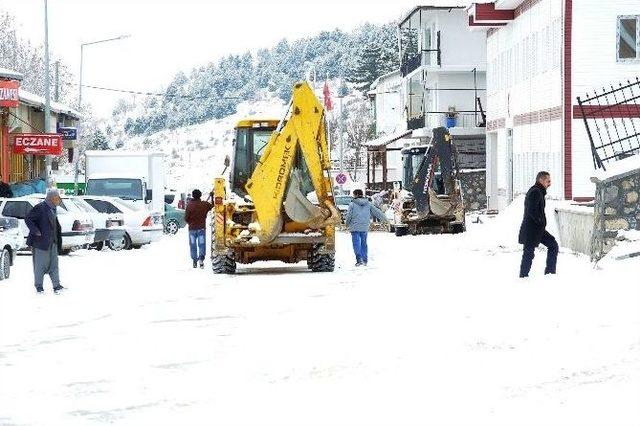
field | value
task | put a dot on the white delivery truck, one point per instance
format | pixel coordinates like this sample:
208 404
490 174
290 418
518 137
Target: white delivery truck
137 177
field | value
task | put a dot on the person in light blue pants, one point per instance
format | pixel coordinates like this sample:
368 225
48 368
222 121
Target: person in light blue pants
197 244
359 216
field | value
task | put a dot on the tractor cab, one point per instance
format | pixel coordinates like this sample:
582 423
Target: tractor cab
252 136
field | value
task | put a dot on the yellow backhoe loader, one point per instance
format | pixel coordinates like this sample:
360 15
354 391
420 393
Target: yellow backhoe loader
265 212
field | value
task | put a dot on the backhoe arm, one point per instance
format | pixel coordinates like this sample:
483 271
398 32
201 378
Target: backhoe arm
276 177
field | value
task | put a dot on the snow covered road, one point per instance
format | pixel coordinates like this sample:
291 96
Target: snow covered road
437 330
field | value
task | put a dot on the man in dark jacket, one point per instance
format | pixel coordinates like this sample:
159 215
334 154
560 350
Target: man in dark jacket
532 230
45 239
196 218
358 220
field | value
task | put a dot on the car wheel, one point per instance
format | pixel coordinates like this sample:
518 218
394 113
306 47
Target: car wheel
136 247
123 243
97 246
5 264
171 227
64 252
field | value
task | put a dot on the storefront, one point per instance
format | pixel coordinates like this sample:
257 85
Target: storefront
22 112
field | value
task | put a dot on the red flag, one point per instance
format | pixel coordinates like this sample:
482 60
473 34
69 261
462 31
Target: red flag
328 104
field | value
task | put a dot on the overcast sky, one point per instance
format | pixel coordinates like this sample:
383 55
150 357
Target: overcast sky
169 35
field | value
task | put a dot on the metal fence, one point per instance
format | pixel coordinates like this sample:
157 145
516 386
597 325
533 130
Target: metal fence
612 120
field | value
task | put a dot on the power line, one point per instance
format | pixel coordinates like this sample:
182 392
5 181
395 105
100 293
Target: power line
164 95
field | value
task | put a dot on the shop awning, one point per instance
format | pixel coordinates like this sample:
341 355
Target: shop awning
386 139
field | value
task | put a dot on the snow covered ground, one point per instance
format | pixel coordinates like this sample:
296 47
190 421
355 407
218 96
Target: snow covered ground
437 330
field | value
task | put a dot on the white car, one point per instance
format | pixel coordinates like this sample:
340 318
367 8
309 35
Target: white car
141 226
11 240
107 226
76 227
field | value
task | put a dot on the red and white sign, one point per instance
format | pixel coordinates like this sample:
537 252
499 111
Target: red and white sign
37 144
9 93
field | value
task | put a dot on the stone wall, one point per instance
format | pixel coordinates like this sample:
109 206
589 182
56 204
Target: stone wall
474 190
616 209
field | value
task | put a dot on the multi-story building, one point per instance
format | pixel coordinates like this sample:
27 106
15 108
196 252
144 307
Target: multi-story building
541 55
441 82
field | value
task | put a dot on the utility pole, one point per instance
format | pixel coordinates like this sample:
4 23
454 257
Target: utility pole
47 90
56 96
76 158
340 128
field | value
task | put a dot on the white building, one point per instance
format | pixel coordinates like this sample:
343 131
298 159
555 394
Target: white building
384 161
443 67
541 55
442 75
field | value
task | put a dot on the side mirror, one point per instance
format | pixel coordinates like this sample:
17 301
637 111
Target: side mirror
149 195
227 161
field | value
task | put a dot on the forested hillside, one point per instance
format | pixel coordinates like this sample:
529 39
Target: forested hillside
213 91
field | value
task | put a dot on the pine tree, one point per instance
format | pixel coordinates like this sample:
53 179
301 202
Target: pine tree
99 141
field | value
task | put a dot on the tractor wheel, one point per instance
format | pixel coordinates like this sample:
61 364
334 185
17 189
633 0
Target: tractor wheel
402 231
223 264
320 262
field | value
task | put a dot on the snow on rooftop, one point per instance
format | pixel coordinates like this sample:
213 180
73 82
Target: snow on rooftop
8 73
618 169
39 102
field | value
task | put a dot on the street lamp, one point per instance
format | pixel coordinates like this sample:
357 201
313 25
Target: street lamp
77 158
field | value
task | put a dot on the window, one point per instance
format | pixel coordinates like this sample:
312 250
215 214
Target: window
628 45
127 189
103 206
17 209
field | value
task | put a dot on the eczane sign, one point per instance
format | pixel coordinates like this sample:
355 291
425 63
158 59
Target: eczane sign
37 144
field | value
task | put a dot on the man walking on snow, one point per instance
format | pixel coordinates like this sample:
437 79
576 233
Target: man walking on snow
45 239
358 219
196 217
532 230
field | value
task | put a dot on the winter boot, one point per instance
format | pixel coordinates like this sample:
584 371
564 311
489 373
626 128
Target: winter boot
201 263
195 264
58 289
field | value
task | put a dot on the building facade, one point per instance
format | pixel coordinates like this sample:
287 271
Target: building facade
541 55
25 114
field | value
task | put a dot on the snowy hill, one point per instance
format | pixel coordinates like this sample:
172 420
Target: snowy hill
195 154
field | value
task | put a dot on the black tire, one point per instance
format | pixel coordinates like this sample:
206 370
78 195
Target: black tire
401 231
223 264
64 252
320 262
458 228
392 228
5 264
97 246
122 244
136 247
171 227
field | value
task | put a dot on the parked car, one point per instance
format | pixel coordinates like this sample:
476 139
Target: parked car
11 240
108 226
141 226
77 227
173 219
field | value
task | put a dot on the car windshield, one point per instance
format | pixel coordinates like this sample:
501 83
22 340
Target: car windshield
82 205
126 206
343 200
127 189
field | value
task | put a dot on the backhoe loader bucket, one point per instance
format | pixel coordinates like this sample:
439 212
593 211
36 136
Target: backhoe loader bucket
301 210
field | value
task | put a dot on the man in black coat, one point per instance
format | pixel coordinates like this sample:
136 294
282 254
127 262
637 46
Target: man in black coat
45 239
532 230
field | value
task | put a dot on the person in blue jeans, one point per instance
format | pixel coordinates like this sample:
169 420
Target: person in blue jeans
359 216
196 217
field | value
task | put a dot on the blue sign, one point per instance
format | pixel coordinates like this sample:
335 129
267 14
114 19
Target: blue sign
68 133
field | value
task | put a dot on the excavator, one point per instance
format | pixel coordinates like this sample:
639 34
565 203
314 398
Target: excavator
265 212
434 202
